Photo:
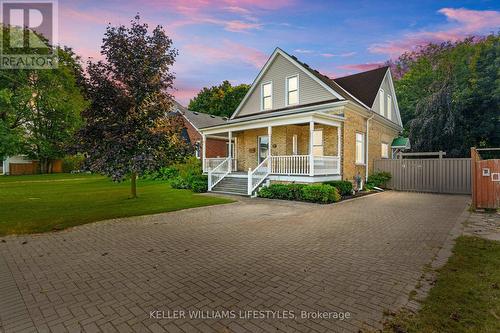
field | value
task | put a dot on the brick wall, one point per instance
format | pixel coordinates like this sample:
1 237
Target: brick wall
215 147
378 133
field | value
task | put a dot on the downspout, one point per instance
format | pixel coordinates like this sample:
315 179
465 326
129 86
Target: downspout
367 146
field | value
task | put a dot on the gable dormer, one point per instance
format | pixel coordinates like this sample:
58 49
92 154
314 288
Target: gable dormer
385 103
284 83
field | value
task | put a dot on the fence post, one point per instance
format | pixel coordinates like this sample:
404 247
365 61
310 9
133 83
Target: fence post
473 166
441 175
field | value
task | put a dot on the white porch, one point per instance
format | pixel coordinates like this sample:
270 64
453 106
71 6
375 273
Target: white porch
314 163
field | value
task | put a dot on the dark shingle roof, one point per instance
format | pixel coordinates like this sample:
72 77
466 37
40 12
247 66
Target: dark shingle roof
198 119
364 86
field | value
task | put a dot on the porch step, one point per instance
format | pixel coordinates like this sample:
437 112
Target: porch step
232 185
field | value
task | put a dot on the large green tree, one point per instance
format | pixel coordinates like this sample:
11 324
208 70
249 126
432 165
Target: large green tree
127 131
449 95
221 100
40 109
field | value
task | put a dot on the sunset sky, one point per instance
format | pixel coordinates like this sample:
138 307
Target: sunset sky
229 39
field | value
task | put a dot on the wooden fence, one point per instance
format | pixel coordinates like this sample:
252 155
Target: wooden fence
437 175
486 181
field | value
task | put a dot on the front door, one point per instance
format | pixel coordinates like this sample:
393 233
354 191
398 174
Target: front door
262 148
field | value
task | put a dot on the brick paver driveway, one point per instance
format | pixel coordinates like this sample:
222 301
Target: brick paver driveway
360 256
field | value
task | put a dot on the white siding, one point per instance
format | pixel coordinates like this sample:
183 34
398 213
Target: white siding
310 91
387 91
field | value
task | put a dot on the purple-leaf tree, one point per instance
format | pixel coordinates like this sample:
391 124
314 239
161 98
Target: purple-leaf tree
128 130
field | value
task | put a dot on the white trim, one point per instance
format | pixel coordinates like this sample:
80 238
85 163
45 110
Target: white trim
277 52
381 102
393 93
301 118
262 96
389 107
382 149
295 144
304 179
363 144
287 92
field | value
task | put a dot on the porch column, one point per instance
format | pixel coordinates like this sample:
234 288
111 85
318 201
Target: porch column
270 147
311 146
339 149
204 152
230 152
269 134
338 142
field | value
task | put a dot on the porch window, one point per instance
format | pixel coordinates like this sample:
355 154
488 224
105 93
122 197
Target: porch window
318 143
295 150
267 96
360 148
292 89
389 107
263 148
385 150
381 98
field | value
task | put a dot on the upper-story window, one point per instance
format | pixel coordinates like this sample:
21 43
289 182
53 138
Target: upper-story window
389 107
267 96
292 90
381 99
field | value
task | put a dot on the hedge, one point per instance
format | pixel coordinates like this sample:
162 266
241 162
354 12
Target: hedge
343 186
300 192
378 179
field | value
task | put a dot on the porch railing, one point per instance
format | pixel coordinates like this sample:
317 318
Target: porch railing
216 174
258 175
212 163
300 165
290 165
326 165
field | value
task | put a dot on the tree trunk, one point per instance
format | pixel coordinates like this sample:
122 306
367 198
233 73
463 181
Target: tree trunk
133 184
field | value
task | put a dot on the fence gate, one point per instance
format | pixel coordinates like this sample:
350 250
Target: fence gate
437 175
485 180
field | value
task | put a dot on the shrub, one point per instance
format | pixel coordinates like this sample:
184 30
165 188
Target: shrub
343 186
282 191
198 183
320 193
311 193
73 163
179 183
378 179
191 167
279 191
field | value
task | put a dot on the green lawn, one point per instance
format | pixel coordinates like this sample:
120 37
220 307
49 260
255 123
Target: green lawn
466 297
40 203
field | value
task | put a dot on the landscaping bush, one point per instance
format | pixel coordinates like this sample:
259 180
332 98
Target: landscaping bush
320 193
73 163
277 191
179 183
301 192
378 179
198 183
165 173
343 186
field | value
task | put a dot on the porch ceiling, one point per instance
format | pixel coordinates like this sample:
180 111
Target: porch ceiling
294 119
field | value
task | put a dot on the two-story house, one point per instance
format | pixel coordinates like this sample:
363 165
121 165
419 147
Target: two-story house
297 125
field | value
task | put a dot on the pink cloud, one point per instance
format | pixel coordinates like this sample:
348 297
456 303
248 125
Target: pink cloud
244 54
464 23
